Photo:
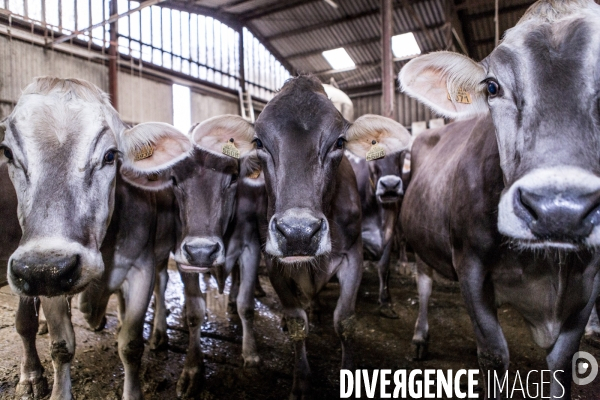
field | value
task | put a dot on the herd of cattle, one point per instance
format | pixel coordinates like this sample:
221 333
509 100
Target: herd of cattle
506 202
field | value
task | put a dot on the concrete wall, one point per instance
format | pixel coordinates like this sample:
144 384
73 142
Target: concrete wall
141 98
408 110
205 106
20 62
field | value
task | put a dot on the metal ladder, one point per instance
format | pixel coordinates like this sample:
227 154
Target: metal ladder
246 106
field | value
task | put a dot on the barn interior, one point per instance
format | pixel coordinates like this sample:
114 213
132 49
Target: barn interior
184 61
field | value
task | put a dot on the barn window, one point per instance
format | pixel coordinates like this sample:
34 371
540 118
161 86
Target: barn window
339 58
405 45
195 45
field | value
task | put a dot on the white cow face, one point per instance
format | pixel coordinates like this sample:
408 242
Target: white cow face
540 88
61 145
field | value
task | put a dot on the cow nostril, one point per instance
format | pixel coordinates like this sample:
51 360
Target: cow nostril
528 203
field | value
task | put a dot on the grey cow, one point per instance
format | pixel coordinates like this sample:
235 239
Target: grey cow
381 189
313 205
86 226
509 203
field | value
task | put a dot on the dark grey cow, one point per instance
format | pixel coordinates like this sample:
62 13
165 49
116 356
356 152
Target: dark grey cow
381 189
204 183
10 231
313 205
82 222
509 203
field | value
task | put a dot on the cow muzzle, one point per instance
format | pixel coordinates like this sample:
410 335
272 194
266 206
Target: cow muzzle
389 189
552 208
298 235
50 268
201 253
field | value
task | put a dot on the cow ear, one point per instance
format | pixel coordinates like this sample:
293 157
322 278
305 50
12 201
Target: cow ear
149 151
449 83
225 135
374 133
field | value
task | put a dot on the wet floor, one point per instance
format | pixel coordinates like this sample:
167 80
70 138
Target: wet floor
97 372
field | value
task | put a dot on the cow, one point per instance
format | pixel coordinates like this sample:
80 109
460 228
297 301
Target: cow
313 207
381 189
218 198
89 227
507 203
341 101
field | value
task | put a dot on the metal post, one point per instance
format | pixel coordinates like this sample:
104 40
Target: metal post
113 53
387 63
241 61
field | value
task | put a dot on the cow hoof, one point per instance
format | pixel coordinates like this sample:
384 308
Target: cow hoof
232 308
387 311
190 383
421 350
63 397
159 341
251 361
101 325
32 389
42 328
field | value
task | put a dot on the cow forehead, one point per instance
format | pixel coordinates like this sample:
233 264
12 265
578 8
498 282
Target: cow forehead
48 122
560 32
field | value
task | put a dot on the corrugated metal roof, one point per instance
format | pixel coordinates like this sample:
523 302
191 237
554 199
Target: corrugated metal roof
298 31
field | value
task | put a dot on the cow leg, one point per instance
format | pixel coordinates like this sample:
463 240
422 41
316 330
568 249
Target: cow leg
420 338
31 382
296 322
92 303
134 297
478 293
191 381
250 260
349 275
592 329
234 290
62 348
159 339
560 356
383 269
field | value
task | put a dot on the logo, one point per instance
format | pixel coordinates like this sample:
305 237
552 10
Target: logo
584 364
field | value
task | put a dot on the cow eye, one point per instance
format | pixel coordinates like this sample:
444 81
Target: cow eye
8 153
259 144
340 143
234 179
109 157
493 88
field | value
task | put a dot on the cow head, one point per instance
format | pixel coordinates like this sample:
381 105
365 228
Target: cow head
386 175
540 88
300 139
61 144
203 179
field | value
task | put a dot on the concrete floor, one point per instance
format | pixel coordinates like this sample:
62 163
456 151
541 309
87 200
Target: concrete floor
381 343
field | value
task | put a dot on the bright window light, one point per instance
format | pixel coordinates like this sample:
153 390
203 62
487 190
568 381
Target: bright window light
182 108
405 45
338 58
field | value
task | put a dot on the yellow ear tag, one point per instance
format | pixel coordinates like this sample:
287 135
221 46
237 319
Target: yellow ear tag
254 174
143 153
230 150
376 151
462 96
